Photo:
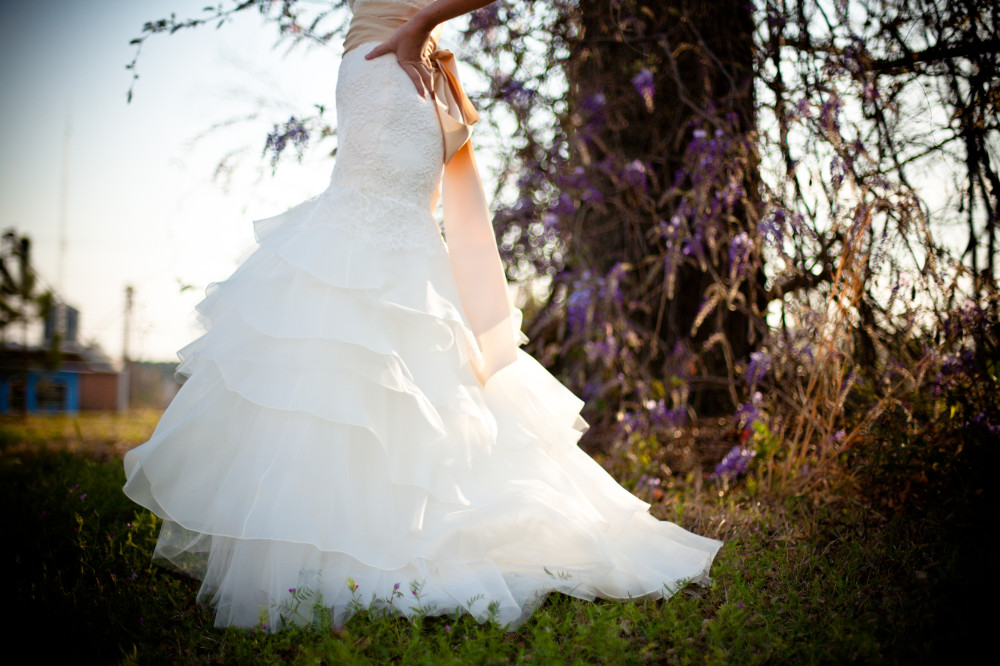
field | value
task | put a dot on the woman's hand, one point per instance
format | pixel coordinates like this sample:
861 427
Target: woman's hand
410 39
409 43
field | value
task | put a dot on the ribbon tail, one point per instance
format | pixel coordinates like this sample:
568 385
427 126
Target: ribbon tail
475 262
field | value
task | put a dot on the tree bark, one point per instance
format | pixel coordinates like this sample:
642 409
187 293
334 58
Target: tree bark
700 57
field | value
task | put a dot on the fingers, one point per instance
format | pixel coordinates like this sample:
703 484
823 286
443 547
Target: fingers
379 50
420 73
417 79
418 69
426 79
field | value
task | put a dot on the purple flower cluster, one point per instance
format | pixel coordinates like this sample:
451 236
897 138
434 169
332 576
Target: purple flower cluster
969 319
749 412
484 23
758 367
678 368
654 413
516 92
605 351
739 253
694 245
710 185
956 370
772 228
829 114
855 58
838 170
578 180
293 132
588 291
802 109
593 112
987 423
634 422
578 306
675 417
564 206
643 84
734 465
775 20
870 93
485 18
636 175
648 483
592 390
613 282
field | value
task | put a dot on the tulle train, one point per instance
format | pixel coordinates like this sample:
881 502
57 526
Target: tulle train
331 429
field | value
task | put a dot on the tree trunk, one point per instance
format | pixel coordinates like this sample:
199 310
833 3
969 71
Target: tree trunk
645 78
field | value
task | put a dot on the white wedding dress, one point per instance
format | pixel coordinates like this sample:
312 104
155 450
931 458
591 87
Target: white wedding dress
332 437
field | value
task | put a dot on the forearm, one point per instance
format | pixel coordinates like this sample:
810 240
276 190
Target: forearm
441 10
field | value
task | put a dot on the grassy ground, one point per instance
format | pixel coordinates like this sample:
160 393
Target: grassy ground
842 578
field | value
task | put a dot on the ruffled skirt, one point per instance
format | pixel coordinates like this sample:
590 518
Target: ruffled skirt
332 441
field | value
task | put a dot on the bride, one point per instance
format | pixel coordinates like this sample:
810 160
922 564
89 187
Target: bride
358 418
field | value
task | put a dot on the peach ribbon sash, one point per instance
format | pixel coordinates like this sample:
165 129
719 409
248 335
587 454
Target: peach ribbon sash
472 246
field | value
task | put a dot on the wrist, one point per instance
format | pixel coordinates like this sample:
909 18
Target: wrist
422 22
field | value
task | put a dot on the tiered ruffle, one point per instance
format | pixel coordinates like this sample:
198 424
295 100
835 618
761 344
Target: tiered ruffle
331 428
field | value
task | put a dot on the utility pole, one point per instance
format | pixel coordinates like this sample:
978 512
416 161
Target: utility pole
63 205
123 376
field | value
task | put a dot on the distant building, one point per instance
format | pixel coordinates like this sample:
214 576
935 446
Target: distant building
83 380
63 321
76 378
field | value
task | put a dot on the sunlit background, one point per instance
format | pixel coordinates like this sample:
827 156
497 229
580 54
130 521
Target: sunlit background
115 194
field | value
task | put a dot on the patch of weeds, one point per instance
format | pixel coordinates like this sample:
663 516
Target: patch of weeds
798 581
98 435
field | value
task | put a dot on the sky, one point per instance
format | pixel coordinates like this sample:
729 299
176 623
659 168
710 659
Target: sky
143 207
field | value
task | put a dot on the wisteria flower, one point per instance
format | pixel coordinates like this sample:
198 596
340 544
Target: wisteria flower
749 412
757 369
735 464
635 174
293 131
739 253
643 83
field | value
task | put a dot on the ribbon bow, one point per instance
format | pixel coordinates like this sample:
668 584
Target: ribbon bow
455 109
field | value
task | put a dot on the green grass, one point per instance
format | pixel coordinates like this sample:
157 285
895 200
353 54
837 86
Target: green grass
800 580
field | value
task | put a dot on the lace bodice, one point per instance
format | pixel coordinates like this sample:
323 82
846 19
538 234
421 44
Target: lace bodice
389 154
